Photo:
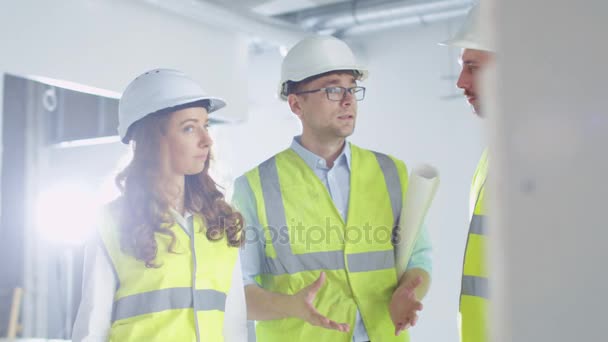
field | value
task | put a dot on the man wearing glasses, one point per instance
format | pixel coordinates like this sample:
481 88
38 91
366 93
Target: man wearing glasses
319 261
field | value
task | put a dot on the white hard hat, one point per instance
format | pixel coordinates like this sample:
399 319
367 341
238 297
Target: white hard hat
472 34
314 56
156 90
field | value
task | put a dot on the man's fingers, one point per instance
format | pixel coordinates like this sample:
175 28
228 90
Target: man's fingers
409 322
314 287
342 327
336 326
415 283
345 327
398 328
327 323
319 320
414 320
316 318
418 304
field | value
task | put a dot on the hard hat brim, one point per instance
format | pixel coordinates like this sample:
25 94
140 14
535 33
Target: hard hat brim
364 73
215 104
465 44
304 75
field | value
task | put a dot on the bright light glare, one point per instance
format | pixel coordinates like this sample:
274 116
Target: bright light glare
283 50
66 213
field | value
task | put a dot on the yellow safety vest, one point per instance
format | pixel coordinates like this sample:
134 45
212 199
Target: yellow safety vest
474 297
305 234
183 300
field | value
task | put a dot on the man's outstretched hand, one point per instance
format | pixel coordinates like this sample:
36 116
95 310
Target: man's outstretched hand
404 306
305 310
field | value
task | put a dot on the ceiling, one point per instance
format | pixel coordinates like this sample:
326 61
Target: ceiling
278 7
351 17
283 22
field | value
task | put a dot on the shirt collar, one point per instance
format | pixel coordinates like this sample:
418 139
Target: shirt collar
314 161
181 220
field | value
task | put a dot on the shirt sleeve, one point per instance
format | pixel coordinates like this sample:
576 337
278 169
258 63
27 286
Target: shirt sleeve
252 252
235 320
99 284
421 255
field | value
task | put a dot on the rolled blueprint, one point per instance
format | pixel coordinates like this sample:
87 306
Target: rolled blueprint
421 189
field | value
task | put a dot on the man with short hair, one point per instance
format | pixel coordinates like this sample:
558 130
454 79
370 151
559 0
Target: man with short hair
322 267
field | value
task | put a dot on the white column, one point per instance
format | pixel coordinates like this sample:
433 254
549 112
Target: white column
549 136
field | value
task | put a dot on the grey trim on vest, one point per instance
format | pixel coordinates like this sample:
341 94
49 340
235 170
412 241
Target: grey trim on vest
251 337
371 261
193 293
288 263
209 300
475 286
393 183
470 285
190 229
478 225
273 200
168 299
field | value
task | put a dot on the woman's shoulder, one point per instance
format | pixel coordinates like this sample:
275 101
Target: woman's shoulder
111 212
114 207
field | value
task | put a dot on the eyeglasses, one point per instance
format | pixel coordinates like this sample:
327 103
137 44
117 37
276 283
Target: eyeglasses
338 93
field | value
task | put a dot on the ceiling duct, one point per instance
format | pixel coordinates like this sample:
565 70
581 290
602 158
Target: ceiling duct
423 19
349 18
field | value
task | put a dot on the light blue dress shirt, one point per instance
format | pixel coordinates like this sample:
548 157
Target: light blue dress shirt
337 181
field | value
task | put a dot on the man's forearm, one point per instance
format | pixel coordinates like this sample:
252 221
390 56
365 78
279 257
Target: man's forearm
265 305
410 275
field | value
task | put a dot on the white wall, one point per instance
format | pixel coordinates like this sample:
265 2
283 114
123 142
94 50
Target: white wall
106 43
270 125
403 114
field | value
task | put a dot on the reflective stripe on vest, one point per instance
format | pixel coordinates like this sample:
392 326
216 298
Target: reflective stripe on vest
326 260
475 286
183 299
478 225
168 299
474 298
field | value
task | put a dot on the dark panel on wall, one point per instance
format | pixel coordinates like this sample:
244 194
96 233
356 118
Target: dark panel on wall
12 215
73 115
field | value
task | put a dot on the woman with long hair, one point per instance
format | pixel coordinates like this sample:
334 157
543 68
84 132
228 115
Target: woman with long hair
165 266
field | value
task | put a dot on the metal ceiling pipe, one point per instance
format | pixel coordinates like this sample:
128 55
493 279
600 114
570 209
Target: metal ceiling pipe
416 8
413 20
345 15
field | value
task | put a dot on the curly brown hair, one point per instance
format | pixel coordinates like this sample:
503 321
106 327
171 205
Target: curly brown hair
145 211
